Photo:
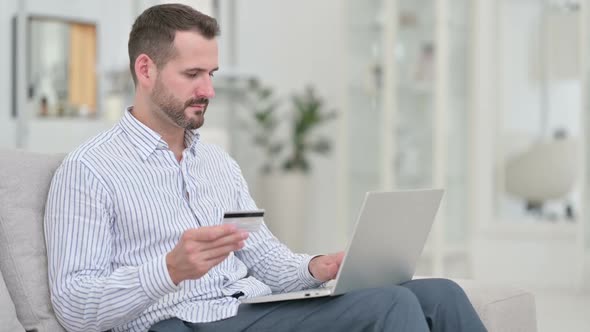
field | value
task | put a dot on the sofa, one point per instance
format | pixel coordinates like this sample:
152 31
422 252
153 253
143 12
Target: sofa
24 292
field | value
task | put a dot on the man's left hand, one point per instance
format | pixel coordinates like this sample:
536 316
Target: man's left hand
325 267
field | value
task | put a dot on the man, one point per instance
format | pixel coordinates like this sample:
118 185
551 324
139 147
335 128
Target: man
133 220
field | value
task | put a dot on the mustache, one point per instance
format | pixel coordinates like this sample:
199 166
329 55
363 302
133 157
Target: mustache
196 102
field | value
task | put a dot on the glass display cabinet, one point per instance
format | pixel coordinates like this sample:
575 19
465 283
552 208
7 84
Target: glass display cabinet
409 94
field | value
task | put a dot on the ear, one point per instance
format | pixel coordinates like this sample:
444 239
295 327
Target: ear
145 70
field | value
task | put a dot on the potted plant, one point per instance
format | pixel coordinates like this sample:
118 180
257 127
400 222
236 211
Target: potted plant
285 151
262 122
287 138
307 114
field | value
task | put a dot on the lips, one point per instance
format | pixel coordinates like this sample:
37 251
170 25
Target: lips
197 110
198 103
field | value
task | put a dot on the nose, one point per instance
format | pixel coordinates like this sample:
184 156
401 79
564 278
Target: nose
205 88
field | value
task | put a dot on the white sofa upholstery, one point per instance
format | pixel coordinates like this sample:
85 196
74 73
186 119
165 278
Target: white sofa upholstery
502 308
24 292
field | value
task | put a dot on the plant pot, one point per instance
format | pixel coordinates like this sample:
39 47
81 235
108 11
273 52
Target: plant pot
284 197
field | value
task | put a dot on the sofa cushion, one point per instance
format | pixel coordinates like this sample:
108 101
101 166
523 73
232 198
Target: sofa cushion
24 182
7 312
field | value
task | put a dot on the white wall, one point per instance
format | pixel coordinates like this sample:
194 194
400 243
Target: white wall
510 252
289 44
520 24
522 67
7 127
113 19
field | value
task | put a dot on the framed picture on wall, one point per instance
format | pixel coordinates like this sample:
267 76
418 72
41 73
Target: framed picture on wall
60 71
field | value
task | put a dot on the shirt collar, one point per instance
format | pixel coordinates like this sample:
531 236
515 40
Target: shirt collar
146 140
191 137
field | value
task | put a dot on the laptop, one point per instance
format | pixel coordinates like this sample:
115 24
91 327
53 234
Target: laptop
387 241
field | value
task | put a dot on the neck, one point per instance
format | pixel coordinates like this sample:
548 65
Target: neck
144 111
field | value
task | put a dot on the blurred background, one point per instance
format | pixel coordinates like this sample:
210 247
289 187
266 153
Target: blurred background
322 101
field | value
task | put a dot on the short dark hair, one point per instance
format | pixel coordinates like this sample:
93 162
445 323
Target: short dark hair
153 32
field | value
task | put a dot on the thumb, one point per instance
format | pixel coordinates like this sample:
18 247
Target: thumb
332 270
337 257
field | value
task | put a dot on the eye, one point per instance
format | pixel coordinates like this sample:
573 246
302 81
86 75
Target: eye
211 74
190 75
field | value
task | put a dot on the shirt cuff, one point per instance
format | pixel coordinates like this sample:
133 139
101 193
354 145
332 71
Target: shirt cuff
305 276
155 279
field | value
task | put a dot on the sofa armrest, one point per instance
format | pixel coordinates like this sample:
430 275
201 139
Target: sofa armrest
500 307
8 317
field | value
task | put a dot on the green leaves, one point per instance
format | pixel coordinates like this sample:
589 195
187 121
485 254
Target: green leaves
305 115
263 121
308 113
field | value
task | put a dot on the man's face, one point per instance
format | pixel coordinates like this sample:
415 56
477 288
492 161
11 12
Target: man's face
184 85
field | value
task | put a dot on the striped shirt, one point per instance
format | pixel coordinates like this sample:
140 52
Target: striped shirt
120 202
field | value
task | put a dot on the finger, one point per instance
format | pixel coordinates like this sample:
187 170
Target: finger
337 257
335 269
332 270
327 272
231 239
211 233
216 261
215 253
329 259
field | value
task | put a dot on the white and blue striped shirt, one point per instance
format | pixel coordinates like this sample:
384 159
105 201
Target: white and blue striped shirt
120 202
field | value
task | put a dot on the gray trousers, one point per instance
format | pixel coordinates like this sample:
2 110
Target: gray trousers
418 305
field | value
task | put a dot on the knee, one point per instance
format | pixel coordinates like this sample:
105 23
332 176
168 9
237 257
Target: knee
395 295
442 289
446 287
381 308
376 304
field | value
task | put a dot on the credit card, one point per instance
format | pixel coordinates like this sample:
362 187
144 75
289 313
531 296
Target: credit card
249 221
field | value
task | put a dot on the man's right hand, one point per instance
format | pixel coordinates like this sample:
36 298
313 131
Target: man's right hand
200 249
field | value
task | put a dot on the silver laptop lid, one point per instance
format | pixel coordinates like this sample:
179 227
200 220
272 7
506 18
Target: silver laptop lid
388 238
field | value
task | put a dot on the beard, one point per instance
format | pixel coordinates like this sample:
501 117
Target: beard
174 109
